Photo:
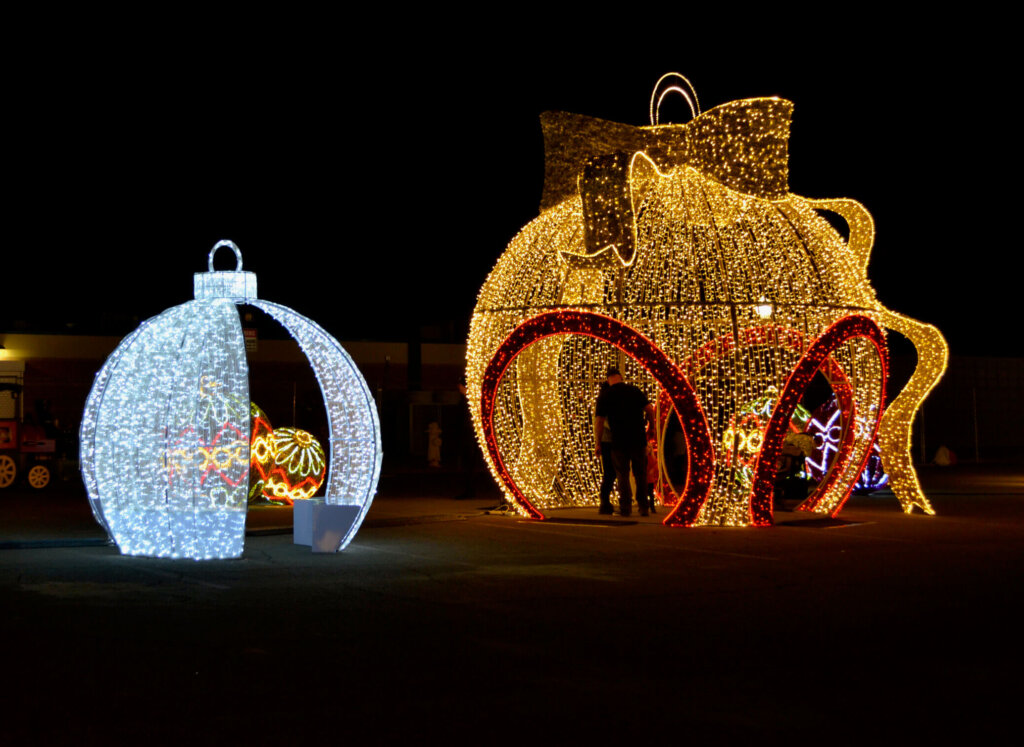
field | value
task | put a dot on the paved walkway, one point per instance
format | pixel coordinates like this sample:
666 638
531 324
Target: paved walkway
62 514
443 621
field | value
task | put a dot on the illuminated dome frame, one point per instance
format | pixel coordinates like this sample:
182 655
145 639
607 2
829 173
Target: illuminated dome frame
165 435
677 253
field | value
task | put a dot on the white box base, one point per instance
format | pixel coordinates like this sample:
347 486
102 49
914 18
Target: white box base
321 526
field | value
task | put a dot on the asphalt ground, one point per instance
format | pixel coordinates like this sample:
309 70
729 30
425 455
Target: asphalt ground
449 619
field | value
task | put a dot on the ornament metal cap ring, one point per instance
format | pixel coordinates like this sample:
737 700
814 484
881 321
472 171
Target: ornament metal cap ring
233 284
233 246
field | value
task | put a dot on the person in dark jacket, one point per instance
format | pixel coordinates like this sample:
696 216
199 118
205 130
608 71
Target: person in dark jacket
629 413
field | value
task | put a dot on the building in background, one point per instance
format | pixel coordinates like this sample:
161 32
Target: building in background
414 383
975 410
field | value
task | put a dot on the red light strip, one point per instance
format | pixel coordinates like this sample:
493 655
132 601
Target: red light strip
677 389
718 348
844 399
845 329
206 451
695 428
794 340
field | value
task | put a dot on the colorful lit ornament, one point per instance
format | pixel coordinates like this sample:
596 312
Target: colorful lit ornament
165 436
744 436
261 453
298 467
286 464
678 253
825 428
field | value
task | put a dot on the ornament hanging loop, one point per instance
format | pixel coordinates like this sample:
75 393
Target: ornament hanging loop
233 246
236 285
663 89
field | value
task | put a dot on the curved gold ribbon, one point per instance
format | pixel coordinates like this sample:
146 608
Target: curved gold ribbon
894 433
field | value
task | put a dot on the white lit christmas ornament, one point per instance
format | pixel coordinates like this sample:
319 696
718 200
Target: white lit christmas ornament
166 430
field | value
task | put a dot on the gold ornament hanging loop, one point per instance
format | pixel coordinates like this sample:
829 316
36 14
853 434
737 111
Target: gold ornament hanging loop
689 93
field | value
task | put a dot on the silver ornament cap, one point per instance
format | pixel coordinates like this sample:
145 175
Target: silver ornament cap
233 284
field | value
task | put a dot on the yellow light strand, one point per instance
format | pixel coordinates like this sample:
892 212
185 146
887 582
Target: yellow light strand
701 243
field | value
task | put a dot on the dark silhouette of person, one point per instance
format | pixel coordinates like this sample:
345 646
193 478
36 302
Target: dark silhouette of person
629 413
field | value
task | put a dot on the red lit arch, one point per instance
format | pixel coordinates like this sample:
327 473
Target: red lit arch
684 400
646 353
794 340
841 331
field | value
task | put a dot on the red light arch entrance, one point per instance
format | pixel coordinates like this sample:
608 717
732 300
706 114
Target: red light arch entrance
680 393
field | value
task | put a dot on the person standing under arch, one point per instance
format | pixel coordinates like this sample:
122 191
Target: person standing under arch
629 412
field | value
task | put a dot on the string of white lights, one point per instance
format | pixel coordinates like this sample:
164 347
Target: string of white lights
354 427
171 435
87 432
165 436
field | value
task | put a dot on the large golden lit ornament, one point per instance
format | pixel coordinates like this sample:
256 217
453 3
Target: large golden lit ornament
298 466
678 253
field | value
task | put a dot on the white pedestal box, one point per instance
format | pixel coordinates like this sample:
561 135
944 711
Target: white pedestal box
321 526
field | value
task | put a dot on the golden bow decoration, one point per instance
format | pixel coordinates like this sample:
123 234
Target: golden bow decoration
742 144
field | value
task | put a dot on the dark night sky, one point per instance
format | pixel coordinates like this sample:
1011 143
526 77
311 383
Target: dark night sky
418 160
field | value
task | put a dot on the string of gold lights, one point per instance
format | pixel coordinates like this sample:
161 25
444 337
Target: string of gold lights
894 434
688 235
